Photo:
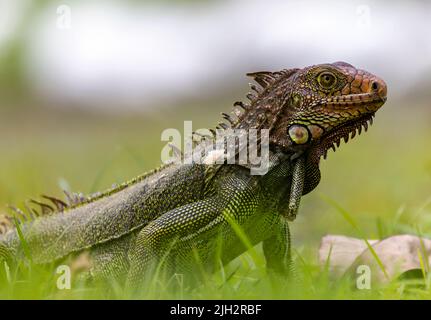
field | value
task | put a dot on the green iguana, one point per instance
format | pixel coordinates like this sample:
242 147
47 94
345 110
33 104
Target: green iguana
185 215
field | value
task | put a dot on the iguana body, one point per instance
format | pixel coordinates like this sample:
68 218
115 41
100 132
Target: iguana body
187 215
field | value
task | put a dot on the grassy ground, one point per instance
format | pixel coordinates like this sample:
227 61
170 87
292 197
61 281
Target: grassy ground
382 180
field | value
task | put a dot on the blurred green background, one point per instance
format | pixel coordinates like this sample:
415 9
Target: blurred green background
87 87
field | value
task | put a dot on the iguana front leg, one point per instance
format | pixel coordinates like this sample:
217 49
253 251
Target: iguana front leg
182 225
277 249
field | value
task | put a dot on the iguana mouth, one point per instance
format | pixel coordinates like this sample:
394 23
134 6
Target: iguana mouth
371 99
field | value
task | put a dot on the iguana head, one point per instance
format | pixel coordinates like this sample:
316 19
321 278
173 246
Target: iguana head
315 107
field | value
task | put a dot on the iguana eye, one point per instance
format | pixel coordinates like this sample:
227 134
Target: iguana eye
326 80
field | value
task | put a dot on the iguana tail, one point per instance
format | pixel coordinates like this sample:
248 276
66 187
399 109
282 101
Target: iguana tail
5 249
5 254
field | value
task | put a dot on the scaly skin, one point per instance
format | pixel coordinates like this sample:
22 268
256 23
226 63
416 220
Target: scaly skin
185 217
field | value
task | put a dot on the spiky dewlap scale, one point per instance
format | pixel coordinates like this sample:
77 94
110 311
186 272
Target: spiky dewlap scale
333 140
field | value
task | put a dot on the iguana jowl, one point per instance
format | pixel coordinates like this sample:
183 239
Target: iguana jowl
181 214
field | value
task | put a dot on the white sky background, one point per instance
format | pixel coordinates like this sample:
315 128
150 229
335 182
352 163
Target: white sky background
118 55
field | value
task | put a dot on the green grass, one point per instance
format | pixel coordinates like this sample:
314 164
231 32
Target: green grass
376 186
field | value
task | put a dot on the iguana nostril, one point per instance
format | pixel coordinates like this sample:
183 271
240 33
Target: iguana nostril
378 86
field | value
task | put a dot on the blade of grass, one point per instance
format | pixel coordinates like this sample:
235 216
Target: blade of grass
421 263
100 174
24 244
243 238
328 260
140 161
